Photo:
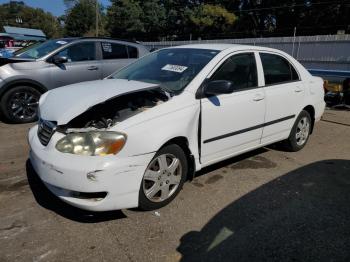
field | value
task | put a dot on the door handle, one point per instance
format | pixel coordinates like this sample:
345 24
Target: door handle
92 68
258 97
298 89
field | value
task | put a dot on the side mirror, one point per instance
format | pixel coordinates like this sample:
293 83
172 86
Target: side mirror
59 59
218 87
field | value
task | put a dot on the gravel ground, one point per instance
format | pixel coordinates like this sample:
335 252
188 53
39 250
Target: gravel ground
267 205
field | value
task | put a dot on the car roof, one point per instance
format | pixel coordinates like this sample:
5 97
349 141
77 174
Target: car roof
218 47
70 39
221 47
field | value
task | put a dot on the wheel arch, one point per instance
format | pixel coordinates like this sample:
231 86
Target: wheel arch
183 142
28 82
311 110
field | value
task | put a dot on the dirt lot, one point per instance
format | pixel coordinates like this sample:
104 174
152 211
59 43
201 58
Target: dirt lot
267 205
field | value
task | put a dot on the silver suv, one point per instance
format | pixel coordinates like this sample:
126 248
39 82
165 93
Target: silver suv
55 63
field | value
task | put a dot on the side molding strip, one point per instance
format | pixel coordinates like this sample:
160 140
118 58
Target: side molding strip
248 129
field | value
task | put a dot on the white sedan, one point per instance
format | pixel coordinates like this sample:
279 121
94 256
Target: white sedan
132 139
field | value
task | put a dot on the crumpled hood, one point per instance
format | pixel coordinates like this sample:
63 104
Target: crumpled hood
65 103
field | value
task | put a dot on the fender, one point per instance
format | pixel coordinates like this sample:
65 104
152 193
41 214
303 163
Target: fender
41 88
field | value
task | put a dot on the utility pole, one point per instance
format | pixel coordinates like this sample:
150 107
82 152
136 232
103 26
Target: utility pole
96 18
295 33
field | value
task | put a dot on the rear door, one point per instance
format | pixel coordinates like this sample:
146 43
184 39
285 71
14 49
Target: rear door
284 96
82 64
116 55
232 123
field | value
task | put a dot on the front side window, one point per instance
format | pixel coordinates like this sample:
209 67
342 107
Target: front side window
240 70
277 69
114 51
84 51
171 68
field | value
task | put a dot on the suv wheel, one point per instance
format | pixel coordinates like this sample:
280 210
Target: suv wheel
163 178
20 104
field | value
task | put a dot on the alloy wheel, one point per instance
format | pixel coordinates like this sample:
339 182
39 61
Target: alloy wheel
23 105
302 132
162 178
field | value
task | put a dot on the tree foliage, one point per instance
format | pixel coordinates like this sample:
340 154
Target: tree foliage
212 19
80 19
184 19
178 13
124 19
153 17
259 18
157 19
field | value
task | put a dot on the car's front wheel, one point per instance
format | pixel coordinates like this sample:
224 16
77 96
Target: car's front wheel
163 178
20 104
300 132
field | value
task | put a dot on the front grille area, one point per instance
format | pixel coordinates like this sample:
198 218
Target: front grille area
45 131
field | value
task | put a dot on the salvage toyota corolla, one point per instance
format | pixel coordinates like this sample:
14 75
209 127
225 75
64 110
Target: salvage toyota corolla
132 139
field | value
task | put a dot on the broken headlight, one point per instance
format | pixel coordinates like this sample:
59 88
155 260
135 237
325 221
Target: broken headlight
92 143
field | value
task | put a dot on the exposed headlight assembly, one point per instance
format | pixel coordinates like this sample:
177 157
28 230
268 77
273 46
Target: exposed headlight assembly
93 143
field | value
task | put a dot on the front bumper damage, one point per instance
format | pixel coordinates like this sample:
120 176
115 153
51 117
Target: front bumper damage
88 182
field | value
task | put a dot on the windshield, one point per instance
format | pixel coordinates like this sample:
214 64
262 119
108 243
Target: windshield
172 68
41 49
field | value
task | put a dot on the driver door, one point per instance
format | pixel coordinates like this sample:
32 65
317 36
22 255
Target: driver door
82 65
233 123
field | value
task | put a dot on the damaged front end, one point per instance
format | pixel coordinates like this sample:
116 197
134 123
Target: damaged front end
117 109
87 134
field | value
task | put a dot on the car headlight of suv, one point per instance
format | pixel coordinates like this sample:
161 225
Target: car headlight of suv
93 143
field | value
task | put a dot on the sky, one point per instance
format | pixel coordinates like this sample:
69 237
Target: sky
56 7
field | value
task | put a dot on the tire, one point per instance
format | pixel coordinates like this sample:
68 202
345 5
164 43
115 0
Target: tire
153 192
19 104
300 132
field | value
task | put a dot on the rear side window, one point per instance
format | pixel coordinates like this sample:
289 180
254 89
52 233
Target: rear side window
132 51
84 51
240 70
114 51
277 69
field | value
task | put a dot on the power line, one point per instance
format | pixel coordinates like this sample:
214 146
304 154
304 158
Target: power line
294 5
278 31
272 7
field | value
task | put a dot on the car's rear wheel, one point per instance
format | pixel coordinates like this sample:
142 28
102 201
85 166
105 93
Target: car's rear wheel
300 132
163 178
20 104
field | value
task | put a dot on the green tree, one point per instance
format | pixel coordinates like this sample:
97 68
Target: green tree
153 19
311 17
178 22
212 20
80 17
124 19
276 18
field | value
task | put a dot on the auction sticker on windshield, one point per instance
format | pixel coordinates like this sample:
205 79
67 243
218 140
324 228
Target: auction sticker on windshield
174 68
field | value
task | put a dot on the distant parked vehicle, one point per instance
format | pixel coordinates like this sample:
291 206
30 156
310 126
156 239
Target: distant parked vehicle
54 63
5 52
